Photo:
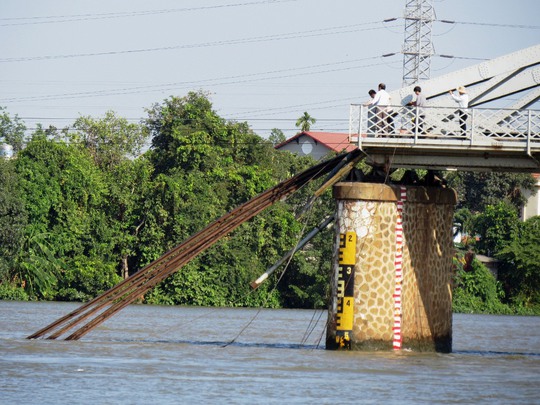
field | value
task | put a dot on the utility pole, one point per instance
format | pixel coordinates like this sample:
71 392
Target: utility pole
417 48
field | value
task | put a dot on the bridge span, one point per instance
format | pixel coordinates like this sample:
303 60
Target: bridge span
434 138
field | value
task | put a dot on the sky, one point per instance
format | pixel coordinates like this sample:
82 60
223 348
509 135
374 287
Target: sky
261 61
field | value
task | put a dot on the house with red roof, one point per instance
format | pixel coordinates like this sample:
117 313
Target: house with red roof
317 144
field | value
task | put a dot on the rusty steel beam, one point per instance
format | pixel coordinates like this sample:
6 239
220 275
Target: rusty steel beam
152 274
210 237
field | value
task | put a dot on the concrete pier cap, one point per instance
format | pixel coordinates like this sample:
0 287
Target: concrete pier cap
392 268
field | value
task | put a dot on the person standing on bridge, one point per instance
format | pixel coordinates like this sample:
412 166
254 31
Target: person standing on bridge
381 101
463 102
420 115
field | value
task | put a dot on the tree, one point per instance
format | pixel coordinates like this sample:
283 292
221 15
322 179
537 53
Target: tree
129 186
186 133
465 218
114 144
305 121
109 140
497 226
190 192
277 136
477 291
11 130
13 219
64 195
476 190
520 265
35 266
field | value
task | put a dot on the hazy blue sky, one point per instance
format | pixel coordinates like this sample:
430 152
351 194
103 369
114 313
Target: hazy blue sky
265 62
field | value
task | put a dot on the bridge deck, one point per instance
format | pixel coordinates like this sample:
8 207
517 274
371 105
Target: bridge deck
488 139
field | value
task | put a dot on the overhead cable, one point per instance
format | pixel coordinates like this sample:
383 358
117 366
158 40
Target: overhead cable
100 16
529 27
521 26
345 29
458 57
214 82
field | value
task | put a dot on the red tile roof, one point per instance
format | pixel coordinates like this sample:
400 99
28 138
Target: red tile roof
335 141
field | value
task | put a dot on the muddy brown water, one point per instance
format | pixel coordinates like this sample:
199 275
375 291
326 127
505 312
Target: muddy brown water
176 355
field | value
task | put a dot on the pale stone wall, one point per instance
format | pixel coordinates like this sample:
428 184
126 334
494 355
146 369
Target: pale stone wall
425 312
532 206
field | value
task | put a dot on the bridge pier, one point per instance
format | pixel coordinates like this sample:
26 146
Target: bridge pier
392 270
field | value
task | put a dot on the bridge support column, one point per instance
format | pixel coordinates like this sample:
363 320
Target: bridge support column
391 286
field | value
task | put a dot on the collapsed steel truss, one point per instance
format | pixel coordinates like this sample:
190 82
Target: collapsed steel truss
92 314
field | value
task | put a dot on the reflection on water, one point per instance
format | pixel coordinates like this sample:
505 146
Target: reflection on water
162 355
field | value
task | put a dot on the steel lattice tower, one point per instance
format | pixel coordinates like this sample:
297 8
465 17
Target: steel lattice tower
417 48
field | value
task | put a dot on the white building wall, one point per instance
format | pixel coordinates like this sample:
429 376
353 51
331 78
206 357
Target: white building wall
304 145
532 207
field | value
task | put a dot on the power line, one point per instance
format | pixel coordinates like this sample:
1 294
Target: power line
520 26
100 16
458 57
338 124
228 80
215 82
345 29
278 110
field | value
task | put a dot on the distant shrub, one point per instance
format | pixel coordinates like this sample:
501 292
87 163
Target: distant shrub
12 293
476 290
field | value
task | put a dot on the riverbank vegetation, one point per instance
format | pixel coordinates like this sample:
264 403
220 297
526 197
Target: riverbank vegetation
80 209
488 218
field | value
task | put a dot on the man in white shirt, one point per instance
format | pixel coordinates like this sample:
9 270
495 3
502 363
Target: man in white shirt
382 100
463 102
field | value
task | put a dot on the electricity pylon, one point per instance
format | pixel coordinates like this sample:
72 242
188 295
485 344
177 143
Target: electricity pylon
417 48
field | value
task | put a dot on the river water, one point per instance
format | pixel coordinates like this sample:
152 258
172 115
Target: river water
177 355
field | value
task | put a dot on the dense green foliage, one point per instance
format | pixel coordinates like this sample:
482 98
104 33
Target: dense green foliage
488 214
520 266
498 225
476 289
477 190
11 130
80 210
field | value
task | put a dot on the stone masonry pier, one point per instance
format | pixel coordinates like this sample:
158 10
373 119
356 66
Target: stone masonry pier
391 286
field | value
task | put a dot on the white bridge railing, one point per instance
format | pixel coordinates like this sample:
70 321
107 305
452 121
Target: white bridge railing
513 129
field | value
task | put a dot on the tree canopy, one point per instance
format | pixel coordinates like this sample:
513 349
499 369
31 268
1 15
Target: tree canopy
11 130
90 207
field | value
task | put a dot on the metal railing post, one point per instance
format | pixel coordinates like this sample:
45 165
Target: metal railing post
472 126
351 123
355 123
529 130
416 124
360 121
